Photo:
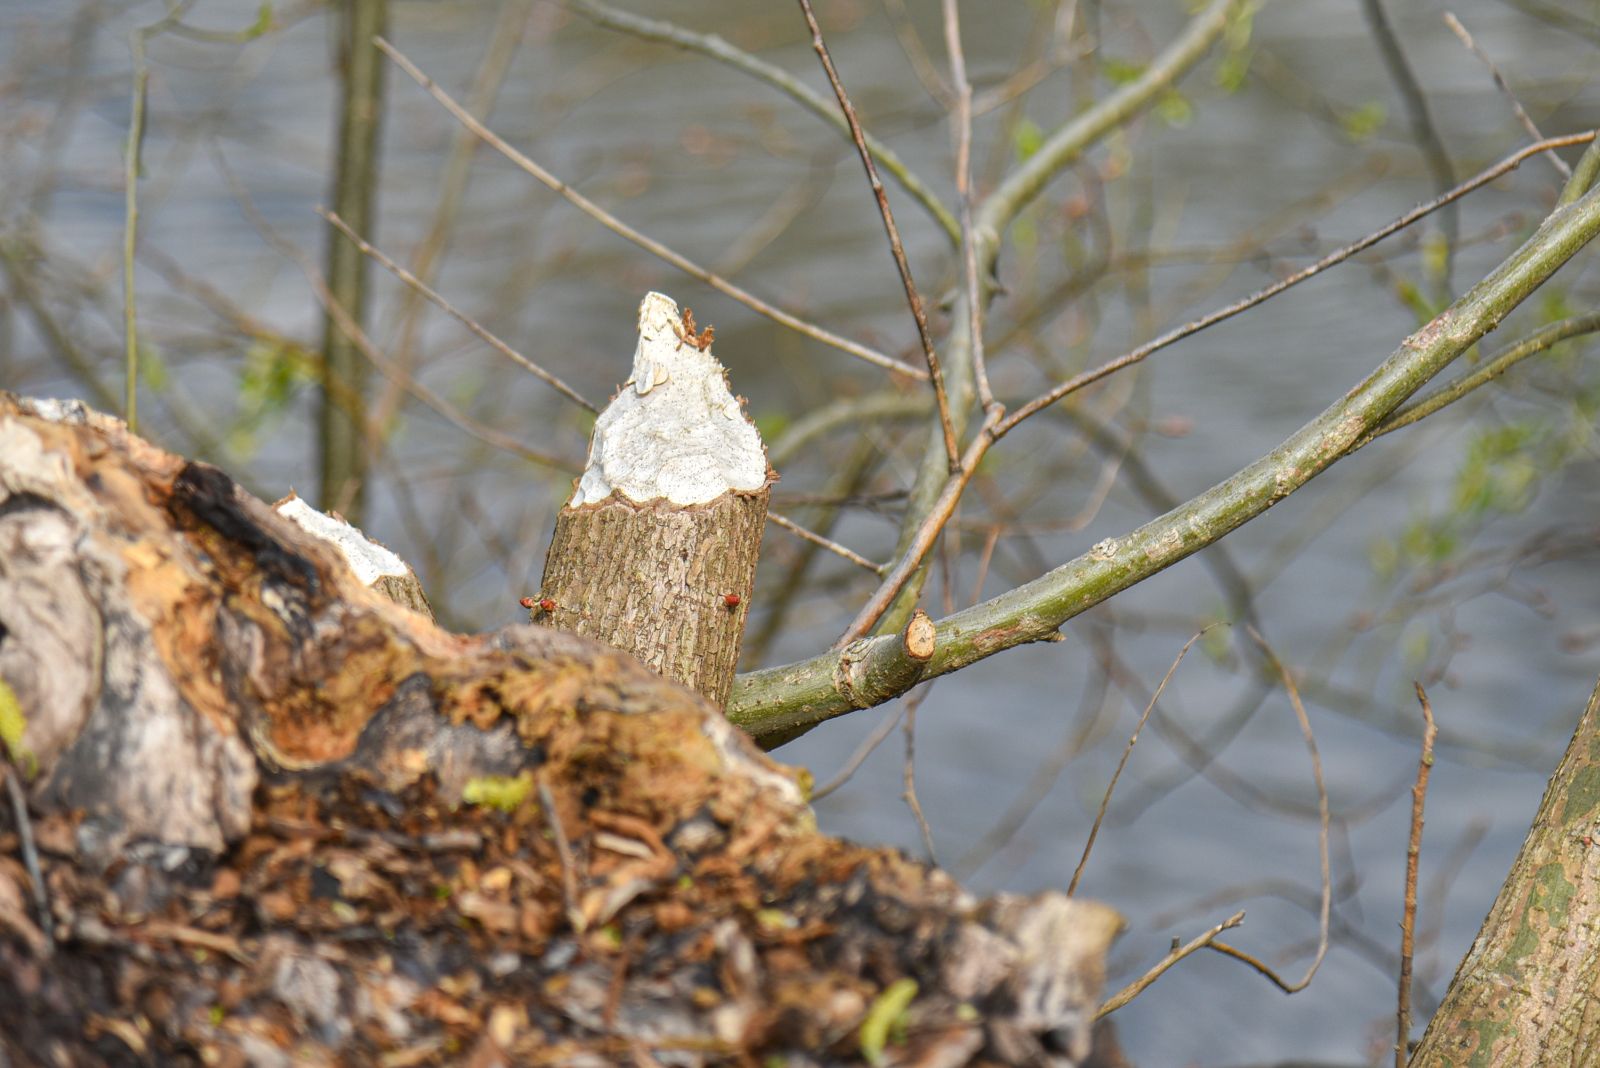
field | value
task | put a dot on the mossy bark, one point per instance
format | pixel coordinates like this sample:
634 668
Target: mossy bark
1528 992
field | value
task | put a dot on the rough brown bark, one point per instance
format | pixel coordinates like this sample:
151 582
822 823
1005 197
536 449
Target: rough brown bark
1528 991
670 584
281 820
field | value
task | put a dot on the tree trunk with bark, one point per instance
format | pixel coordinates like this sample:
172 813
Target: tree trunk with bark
655 554
1528 991
273 818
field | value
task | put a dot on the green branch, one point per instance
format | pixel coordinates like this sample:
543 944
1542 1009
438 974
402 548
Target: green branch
778 703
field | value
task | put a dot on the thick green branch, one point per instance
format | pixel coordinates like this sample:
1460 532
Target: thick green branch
809 691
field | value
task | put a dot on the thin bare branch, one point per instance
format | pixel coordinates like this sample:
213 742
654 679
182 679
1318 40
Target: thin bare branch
1174 955
925 536
622 229
961 118
1077 382
461 317
952 449
1408 919
1133 739
862 751
717 48
1325 912
826 543
1500 83
909 774
29 849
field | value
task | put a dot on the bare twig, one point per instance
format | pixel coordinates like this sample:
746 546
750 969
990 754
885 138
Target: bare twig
909 775
862 751
717 48
1133 739
925 535
449 412
130 226
569 877
1326 909
461 317
913 298
1423 129
1077 382
622 229
1500 83
30 851
962 120
826 543
1408 919
1174 955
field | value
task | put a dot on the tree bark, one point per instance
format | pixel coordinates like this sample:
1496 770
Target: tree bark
276 819
1528 991
670 585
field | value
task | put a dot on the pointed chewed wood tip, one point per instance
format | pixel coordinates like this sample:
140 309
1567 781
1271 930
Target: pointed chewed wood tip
674 432
658 314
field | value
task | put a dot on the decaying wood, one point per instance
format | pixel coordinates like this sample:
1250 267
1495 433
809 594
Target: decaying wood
282 820
1528 991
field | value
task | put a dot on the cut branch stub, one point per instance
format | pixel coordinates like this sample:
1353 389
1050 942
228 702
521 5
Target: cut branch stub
656 552
377 567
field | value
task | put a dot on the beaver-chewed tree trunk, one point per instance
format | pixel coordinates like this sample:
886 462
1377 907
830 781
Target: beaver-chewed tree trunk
655 554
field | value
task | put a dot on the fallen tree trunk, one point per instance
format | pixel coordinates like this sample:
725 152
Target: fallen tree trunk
272 817
1528 991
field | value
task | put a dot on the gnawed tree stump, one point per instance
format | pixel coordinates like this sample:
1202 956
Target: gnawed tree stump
249 780
655 553
376 566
